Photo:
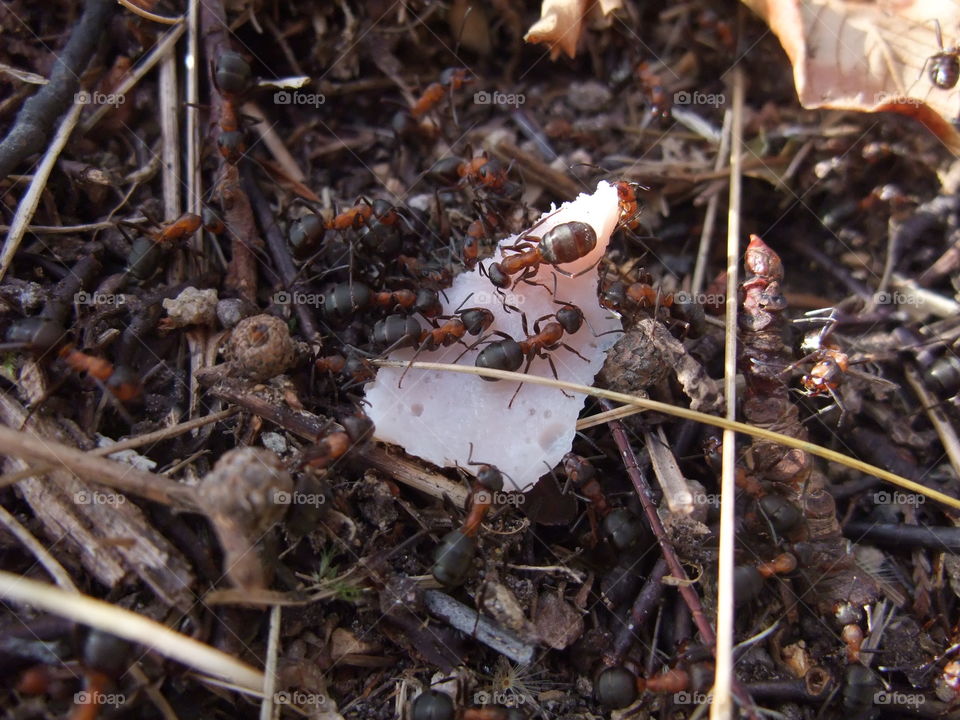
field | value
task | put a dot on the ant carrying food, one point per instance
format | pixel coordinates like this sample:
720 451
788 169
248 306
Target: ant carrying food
564 243
453 558
508 354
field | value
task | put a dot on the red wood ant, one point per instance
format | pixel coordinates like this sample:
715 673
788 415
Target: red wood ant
450 79
453 557
146 250
624 529
122 383
660 102
358 369
233 79
508 354
617 687
333 445
564 243
831 364
630 208
481 171
478 230
471 321
944 70
346 299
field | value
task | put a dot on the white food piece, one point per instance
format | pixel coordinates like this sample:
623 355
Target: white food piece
437 415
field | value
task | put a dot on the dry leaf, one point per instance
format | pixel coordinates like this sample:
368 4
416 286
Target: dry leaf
561 23
868 56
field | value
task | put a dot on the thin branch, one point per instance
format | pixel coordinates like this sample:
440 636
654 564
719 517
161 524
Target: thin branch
31 198
130 626
722 706
685 589
39 113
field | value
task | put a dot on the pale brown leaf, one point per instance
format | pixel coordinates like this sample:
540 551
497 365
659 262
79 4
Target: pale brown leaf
868 56
561 23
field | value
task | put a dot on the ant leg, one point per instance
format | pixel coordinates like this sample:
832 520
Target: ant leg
517 391
410 365
506 306
460 306
578 274
553 369
567 347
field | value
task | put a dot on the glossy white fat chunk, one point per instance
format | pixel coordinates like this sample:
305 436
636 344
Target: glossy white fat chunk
437 415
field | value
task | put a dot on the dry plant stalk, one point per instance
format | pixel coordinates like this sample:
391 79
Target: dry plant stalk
821 548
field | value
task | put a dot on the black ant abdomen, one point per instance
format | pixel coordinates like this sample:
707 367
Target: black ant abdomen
232 73
501 355
783 515
625 529
453 558
432 705
397 331
616 688
345 299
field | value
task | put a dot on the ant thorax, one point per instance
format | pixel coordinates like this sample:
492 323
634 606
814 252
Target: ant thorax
436 415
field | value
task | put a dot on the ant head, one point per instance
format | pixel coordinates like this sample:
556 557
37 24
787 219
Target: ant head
358 427
476 320
490 477
570 318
